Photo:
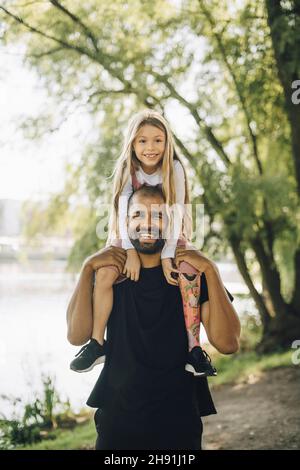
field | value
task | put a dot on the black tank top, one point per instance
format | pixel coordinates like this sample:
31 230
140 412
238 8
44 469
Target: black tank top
143 381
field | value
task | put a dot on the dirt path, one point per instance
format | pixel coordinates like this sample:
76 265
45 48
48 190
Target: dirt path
264 414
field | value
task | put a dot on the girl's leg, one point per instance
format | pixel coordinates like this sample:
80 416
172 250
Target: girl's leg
199 362
189 285
94 352
103 300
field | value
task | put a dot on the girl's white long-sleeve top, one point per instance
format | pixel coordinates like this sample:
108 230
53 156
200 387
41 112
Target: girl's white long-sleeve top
169 248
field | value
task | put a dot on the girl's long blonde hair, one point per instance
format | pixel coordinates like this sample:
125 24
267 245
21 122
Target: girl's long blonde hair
128 163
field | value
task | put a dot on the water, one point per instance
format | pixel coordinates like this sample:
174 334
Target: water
33 303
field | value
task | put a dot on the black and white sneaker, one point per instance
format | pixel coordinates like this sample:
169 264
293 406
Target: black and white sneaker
90 354
199 363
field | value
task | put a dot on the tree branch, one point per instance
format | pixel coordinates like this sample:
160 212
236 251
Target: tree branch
215 143
46 53
99 57
35 30
253 137
218 38
107 92
78 21
242 265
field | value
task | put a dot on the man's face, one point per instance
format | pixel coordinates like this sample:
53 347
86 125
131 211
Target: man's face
146 223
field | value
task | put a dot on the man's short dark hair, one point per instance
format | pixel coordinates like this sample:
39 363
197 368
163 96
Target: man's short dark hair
148 191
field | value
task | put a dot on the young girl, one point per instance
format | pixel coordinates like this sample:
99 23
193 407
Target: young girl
148 158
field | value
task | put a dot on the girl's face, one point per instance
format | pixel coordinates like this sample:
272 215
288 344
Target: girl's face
149 146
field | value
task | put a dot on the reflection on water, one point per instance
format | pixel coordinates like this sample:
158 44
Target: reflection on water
33 302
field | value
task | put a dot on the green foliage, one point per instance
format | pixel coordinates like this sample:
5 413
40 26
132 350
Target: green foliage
38 418
246 363
86 244
243 367
218 64
81 437
251 332
237 43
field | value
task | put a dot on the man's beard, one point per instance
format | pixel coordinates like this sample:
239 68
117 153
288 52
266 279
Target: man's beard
148 248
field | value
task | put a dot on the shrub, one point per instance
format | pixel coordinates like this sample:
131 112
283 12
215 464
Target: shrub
38 418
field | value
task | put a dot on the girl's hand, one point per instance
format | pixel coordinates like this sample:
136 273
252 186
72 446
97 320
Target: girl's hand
132 265
168 268
194 257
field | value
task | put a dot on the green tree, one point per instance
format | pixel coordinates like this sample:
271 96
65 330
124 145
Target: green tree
223 69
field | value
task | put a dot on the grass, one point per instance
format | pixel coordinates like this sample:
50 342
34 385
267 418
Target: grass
83 436
241 367
231 369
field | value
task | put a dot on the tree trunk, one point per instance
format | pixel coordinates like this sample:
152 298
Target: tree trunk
243 268
270 276
286 56
280 324
296 296
279 333
283 326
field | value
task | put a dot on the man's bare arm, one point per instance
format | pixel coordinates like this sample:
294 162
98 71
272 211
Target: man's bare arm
80 308
218 315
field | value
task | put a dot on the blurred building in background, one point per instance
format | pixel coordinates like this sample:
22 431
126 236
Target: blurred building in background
13 244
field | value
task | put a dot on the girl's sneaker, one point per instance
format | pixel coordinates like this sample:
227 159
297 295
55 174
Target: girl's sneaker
199 363
90 354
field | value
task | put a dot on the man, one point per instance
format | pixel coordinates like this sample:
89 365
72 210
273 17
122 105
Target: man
145 397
